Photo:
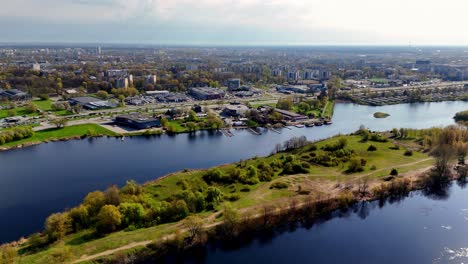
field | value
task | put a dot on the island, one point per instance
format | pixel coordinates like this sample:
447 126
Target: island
192 207
381 115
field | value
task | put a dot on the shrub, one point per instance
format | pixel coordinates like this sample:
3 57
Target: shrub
355 165
279 185
394 172
373 167
408 152
233 197
372 148
245 189
395 147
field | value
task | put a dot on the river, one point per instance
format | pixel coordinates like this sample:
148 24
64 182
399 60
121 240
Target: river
39 180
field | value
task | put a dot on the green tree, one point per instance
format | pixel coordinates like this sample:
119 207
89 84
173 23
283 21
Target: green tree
191 126
57 226
108 219
30 108
79 217
94 201
194 224
285 103
59 122
131 188
58 86
213 195
103 95
132 213
192 116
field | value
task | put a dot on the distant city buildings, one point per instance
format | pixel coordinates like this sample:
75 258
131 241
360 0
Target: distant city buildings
150 79
293 75
121 82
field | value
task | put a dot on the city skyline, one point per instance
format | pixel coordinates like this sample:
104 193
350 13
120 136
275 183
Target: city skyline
244 22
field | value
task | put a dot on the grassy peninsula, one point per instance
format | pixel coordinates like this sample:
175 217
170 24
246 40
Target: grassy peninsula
63 133
190 205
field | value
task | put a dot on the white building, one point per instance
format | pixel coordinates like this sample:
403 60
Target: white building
36 67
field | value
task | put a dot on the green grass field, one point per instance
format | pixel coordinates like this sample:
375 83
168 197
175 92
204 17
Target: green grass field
328 109
46 106
62 133
43 105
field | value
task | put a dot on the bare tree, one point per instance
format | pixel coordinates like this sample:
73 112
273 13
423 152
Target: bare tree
363 187
194 224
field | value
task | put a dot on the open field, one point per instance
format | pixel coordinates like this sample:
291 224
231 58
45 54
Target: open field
62 133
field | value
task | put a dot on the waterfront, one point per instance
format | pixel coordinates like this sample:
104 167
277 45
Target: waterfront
39 180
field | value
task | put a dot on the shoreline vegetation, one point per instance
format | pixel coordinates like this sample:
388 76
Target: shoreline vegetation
300 180
381 115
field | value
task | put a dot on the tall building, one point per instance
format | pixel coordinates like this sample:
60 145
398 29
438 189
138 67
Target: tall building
98 50
121 83
293 75
150 79
309 75
276 73
325 74
130 79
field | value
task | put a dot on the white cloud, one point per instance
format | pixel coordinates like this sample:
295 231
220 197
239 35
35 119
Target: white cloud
396 21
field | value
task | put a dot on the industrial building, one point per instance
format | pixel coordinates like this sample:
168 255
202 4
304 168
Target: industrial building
14 95
138 121
206 93
91 103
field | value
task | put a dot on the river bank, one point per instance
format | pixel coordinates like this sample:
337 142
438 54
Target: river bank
263 221
316 184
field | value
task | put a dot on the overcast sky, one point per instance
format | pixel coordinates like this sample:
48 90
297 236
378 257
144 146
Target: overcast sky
236 22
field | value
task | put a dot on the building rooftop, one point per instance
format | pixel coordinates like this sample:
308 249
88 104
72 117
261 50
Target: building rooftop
137 117
85 99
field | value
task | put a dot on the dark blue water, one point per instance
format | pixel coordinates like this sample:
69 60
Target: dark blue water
40 180
418 229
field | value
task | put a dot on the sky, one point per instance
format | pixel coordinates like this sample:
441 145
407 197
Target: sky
236 22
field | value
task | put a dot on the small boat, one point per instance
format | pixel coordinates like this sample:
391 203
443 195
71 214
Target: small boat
328 122
299 126
318 123
123 138
309 125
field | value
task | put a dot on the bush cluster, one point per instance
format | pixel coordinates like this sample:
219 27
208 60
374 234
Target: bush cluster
15 134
